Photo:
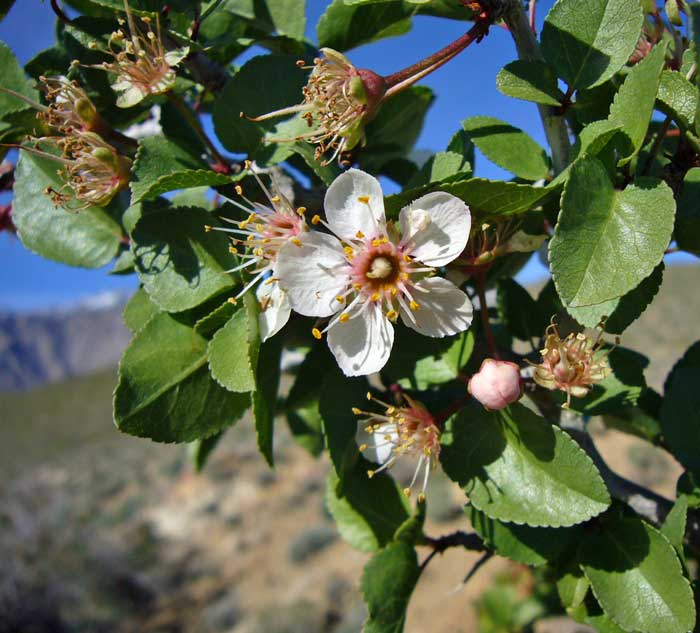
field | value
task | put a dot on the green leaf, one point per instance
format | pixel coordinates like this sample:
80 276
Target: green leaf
388 581
179 263
487 198
234 349
264 84
338 396
411 530
89 238
622 388
216 319
138 311
531 81
588 42
367 511
13 78
572 587
165 391
680 411
678 97
419 362
326 172
306 427
687 231
636 577
674 525
200 450
288 16
634 102
516 467
344 26
606 241
521 543
688 486
508 147
624 311
264 398
519 311
441 167
163 166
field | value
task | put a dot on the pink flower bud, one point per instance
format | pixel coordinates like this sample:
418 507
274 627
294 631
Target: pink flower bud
497 384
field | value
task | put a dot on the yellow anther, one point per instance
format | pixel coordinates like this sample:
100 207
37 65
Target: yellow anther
357 286
301 210
391 410
247 164
414 306
407 492
376 242
392 315
363 199
250 238
375 296
406 258
359 235
370 473
232 300
394 292
348 250
344 318
316 333
363 448
316 219
340 299
239 190
233 250
275 199
267 240
421 498
207 228
296 241
357 411
369 395
258 252
404 276
252 217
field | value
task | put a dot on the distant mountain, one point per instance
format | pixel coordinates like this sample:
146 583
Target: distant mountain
41 347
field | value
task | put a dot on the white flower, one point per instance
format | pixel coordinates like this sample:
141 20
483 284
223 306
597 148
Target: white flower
373 276
257 241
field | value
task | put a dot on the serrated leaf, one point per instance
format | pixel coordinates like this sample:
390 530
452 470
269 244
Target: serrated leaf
680 411
674 525
288 16
687 232
634 102
637 578
516 467
165 391
606 241
367 511
233 351
13 78
588 42
179 263
521 543
441 167
624 311
264 84
508 147
344 26
388 581
678 97
138 311
531 81
216 319
89 238
264 398
487 198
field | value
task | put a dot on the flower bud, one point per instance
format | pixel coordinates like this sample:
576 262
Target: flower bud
497 384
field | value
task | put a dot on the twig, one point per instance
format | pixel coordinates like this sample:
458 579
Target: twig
470 542
658 143
60 14
553 123
533 16
480 283
477 566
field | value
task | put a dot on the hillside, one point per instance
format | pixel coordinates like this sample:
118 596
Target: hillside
104 533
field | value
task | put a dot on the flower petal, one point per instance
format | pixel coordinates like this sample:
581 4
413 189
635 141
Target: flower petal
354 202
377 448
313 274
438 224
444 309
362 345
274 309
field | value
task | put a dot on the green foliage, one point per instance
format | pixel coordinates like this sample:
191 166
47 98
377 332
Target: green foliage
516 467
531 81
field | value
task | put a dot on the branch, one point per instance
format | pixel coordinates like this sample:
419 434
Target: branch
471 542
552 121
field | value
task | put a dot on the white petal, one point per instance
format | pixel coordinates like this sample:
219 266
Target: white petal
362 345
274 309
438 223
444 309
354 202
313 274
378 447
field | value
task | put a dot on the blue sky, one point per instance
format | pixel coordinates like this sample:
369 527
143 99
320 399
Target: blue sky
465 87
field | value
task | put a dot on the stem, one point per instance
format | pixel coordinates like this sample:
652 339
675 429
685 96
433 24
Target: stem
434 61
479 282
552 121
477 566
196 125
59 12
452 408
658 142
470 542
533 16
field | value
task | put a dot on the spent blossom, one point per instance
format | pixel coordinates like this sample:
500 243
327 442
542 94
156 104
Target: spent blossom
69 107
256 242
400 431
368 276
497 384
339 100
573 364
140 63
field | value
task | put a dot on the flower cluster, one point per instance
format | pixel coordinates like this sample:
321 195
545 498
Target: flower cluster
573 364
399 431
140 63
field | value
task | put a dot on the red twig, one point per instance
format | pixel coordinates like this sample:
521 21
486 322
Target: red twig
59 12
480 283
